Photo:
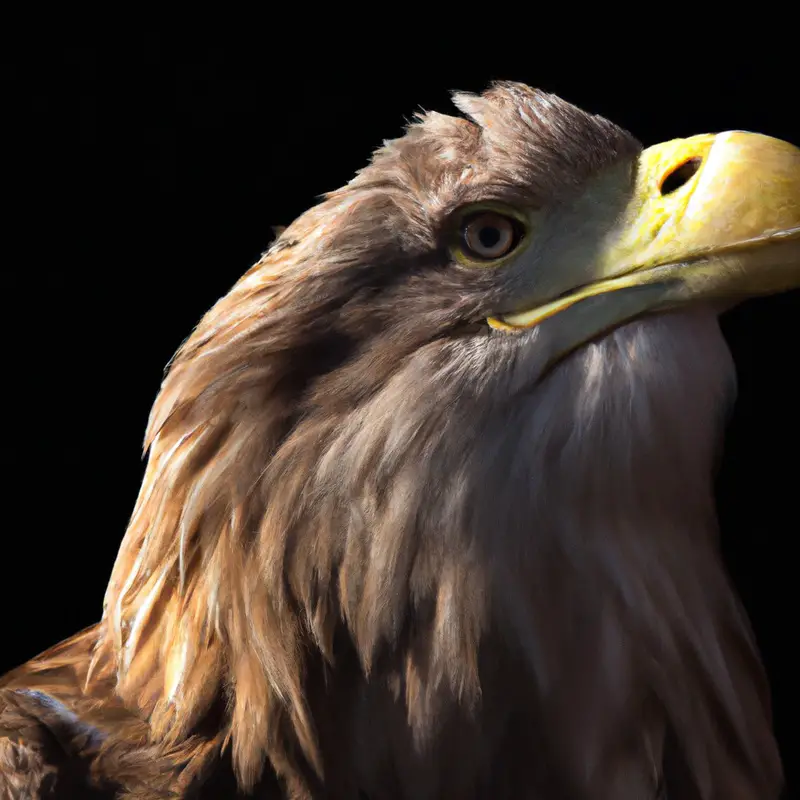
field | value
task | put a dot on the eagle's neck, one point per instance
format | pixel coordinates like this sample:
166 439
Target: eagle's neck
610 649
463 581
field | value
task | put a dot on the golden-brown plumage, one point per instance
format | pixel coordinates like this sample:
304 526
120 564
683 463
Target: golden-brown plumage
378 553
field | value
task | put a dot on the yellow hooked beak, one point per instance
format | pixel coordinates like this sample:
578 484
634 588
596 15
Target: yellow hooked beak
714 219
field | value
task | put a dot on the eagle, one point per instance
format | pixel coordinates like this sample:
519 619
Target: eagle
428 507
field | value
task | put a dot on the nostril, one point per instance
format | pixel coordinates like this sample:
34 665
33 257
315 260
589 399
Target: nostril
680 176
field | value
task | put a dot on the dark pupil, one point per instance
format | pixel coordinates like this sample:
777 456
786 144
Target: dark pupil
489 237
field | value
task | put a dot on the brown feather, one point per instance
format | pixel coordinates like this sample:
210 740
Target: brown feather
378 556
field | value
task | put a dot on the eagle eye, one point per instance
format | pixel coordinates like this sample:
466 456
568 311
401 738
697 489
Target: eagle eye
489 235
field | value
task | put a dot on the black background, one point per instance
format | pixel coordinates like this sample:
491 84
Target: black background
141 178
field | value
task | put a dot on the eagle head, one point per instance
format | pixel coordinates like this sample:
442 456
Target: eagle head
428 501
